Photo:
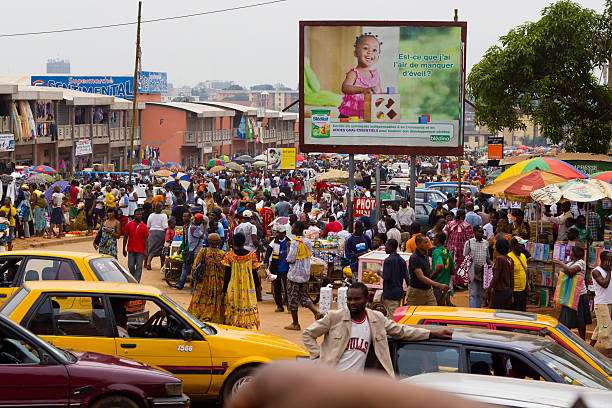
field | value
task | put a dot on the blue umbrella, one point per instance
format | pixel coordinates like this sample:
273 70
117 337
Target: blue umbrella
63 185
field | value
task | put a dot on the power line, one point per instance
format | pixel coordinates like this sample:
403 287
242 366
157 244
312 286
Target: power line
154 20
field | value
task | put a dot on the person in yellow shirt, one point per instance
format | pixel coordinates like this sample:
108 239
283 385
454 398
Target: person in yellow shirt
109 199
11 215
519 259
415 230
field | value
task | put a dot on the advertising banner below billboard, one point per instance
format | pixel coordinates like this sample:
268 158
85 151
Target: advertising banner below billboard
282 158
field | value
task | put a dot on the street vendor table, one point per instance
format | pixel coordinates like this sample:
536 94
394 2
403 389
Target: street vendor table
372 263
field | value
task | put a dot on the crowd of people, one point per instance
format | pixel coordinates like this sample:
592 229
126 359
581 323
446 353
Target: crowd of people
231 238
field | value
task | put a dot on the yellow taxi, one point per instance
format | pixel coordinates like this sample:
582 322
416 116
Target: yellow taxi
506 320
212 360
17 267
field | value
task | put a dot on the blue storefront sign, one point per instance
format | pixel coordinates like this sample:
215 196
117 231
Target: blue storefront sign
119 86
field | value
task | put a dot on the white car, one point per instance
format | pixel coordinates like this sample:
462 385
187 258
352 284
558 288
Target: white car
512 392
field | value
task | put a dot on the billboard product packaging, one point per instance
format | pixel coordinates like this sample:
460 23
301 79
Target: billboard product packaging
366 86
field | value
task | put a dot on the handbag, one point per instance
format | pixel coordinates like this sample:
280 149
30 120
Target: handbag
487 276
198 272
98 237
463 272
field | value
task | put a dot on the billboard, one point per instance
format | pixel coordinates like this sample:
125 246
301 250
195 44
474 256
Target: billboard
369 86
282 158
495 147
119 86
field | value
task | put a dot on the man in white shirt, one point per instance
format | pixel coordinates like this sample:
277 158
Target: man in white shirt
249 231
405 216
561 220
392 231
356 331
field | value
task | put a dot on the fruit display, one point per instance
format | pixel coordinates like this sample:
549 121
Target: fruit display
370 277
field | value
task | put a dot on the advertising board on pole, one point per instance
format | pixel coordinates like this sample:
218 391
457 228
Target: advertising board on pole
282 158
363 206
82 147
7 142
495 147
367 86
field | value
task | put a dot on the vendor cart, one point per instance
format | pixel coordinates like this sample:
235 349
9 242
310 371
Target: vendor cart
173 266
370 266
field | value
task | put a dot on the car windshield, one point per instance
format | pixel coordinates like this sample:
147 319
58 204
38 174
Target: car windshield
599 358
571 368
109 270
209 330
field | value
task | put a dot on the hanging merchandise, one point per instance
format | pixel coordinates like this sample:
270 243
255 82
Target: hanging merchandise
16 119
31 122
26 134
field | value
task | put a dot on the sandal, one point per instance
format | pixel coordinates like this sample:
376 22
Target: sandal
295 327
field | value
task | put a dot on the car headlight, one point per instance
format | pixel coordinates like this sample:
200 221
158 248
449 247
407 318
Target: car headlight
174 389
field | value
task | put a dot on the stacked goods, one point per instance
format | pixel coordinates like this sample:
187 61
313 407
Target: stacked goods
325 299
541 232
370 277
318 267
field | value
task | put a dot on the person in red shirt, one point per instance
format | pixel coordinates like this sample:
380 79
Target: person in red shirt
331 226
135 244
73 194
298 183
267 216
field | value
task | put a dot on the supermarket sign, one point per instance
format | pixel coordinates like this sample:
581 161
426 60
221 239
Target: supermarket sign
363 206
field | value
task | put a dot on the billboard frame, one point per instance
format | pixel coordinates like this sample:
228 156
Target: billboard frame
394 150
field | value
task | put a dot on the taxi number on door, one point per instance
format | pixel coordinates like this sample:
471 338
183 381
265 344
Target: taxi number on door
184 349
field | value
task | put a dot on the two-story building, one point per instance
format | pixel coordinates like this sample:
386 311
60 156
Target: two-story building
47 124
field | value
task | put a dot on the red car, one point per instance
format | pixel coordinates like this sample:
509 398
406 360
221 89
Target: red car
34 373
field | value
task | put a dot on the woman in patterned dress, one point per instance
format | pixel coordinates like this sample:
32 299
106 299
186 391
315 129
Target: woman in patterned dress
207 299
239 286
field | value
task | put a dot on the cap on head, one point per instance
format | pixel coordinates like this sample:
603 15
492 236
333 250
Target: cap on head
247 214
199 217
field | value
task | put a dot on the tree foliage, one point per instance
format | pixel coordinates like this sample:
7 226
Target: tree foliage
545 70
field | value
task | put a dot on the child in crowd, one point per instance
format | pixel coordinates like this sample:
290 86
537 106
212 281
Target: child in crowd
363 79
4 230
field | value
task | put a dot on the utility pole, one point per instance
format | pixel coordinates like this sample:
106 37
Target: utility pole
134 101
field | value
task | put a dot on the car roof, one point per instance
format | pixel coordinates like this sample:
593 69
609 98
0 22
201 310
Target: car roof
53 254
488 315
92 287
497 338
511 391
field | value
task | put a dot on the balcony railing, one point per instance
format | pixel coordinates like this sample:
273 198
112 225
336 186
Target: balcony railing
207 138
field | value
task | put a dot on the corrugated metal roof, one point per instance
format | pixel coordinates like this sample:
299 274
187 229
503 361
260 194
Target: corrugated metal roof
201 110
249 110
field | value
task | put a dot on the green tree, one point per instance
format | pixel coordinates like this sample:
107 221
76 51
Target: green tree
545 70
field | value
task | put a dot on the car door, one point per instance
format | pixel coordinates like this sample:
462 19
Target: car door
10 271
158 339
26 381
413 358
74 321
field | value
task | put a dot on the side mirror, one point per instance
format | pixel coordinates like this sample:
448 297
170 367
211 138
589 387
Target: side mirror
187 334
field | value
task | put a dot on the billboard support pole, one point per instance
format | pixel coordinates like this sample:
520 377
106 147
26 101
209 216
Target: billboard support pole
459 161
351 187
413 181
378 203
134 101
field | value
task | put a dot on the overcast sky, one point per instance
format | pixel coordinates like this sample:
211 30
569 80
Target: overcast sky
257 45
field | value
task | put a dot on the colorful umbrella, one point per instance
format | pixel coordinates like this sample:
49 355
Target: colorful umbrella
299 158
234 167
216 169
259 163
163 173
520 186
214 162
583 191
604 176
39 178
43 169
63 186
260 157
547 164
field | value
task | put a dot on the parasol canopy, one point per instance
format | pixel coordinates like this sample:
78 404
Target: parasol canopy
180 176
244 159
39 178
519 187
216 169
259 163
547 164
163 173
299 158
234 167
260 157
604 176
583 191
63 186
333 175
214 162
43 169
